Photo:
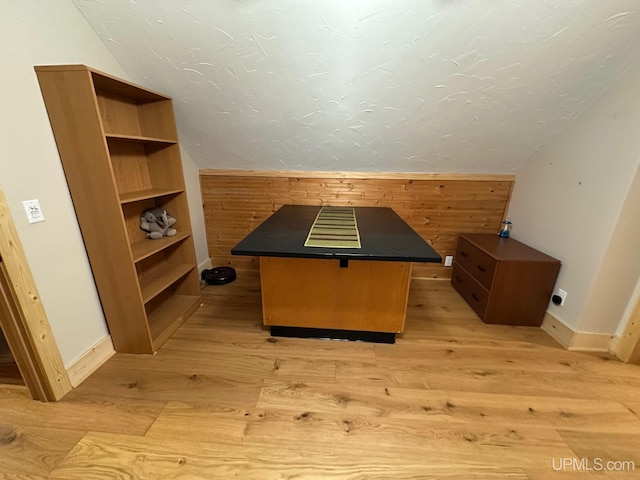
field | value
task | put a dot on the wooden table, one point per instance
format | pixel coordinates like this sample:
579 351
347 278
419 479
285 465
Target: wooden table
338 289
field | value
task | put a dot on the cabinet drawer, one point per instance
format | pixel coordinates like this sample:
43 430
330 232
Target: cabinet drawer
473 293
477 263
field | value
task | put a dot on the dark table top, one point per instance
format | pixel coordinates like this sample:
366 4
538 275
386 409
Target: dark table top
383 236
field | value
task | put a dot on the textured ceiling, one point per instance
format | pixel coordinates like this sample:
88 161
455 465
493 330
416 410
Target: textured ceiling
371 85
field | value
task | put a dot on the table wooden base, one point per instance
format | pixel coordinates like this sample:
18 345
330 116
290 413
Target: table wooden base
317 293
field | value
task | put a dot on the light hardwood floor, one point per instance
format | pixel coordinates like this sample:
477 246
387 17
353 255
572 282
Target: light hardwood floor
452 399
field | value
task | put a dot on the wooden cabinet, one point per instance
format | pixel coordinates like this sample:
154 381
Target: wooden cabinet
365 296
119 149
503 280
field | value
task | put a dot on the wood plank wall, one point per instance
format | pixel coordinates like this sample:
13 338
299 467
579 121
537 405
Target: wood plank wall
437 206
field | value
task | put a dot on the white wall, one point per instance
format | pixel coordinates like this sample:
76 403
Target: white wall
194 197
619 271
568 201
34 34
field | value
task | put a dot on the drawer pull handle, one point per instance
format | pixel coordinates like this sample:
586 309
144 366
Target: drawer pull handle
463 253
458 279
475 297
481 268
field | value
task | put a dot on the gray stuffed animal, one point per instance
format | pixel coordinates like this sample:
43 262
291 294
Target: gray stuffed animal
157 223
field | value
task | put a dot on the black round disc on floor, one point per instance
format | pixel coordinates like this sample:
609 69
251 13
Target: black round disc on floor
219 275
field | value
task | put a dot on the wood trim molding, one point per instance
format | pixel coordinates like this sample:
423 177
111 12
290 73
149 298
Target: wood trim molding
32 342
576 341
354 175
591 342
20 350
90 361
627 348
557 330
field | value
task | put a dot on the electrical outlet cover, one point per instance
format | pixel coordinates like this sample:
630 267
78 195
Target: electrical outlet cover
563 295
33 210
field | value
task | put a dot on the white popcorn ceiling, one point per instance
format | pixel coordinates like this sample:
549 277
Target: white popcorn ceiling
473 86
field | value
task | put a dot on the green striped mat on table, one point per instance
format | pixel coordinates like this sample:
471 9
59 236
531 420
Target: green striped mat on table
334 227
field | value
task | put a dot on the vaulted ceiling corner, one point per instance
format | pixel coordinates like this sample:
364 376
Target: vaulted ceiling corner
371 85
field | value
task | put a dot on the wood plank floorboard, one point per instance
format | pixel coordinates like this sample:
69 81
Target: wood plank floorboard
128 457
452 399
634 407
35 436
453 407
614 447
34 451
97 414
434 441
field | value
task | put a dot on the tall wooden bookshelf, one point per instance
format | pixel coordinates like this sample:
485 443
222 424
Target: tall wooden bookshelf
119 149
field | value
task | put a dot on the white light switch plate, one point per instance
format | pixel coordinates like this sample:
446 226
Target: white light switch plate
33 210
448 260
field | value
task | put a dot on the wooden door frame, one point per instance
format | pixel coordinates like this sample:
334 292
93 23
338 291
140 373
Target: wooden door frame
628 347
24 320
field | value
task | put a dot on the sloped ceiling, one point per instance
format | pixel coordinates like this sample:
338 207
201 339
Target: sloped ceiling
371 85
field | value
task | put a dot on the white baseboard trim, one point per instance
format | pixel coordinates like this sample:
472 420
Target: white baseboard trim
204 266
89 362
576 341
591 342
558 330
